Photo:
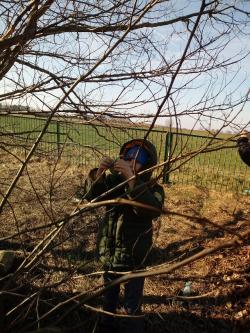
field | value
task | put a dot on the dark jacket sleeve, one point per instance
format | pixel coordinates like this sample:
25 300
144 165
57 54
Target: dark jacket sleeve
244 149
94 187
150 195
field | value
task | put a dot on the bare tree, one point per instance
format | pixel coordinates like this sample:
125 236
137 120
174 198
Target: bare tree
153 61
47 46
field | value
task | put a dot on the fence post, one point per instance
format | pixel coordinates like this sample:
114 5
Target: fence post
58 138
167 153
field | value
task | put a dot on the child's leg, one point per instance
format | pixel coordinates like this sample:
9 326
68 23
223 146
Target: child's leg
133 295
132 303
110 302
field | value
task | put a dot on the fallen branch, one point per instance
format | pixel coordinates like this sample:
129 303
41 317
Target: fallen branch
117 315
146 273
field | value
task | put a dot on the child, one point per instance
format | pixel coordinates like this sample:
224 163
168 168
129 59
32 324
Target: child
125 236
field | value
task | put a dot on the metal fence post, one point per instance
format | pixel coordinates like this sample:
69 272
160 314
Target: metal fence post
167 153
58 138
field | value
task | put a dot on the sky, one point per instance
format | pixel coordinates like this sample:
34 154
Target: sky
235 78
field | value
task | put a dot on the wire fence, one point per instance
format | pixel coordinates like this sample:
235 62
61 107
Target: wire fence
81 143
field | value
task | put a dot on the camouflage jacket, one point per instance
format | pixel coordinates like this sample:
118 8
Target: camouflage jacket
125 232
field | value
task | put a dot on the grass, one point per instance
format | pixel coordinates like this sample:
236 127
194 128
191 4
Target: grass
84 144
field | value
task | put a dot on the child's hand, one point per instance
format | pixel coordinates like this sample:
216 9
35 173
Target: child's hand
105 163
124 168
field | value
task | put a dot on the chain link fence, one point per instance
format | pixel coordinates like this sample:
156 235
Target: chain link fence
220 168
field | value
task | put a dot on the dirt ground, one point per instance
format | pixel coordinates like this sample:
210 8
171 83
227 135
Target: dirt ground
197 219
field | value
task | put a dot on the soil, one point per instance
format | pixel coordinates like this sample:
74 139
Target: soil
197 219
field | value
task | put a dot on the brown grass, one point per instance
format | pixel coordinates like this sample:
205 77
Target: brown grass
62 271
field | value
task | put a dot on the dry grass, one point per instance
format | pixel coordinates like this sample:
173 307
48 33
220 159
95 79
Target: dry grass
44 194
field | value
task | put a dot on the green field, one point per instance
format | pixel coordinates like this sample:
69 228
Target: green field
84 144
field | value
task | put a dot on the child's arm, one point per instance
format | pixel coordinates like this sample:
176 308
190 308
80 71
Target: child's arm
150 195
94 186
95 183
139 190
